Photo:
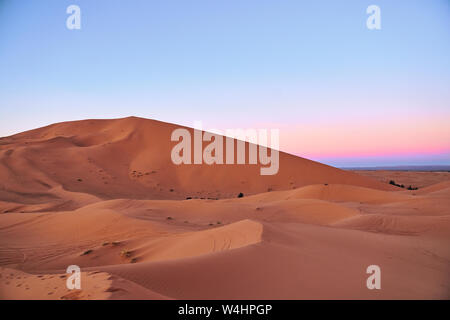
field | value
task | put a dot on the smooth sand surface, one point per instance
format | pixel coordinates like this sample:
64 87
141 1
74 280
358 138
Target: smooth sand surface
104 195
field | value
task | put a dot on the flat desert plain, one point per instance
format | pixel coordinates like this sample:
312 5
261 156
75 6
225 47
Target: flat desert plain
104 195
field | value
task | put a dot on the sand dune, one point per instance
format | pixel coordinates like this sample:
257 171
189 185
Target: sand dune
296 270
347 193
235 235
33 162
443 188
419 179
96 285
104 195
401 225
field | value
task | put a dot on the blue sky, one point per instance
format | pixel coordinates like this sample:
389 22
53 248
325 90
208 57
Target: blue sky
249 63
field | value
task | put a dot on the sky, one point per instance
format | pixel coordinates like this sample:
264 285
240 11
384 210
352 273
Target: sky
339 93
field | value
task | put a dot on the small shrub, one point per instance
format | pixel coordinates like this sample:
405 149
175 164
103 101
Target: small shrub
86 252
240 195
169 218
125 253
396 184
79 180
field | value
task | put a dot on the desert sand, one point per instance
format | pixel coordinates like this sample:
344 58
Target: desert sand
417 179
104 195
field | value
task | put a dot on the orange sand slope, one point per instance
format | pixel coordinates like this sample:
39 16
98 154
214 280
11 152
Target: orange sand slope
15 284
311 237
130 158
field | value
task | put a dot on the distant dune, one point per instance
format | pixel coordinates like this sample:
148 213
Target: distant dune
416 179
105 195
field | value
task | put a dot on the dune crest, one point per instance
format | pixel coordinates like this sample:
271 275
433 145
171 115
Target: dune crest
235 235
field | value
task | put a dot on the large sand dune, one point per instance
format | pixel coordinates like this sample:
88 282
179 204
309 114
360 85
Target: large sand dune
130 158
104 195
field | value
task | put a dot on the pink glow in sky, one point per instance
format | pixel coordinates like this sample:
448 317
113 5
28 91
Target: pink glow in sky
402 138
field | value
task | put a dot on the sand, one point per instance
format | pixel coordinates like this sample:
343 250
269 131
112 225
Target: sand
419 179
104 195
